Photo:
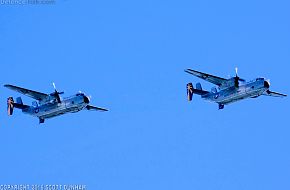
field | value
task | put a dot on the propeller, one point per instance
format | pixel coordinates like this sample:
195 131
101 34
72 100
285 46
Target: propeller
87 98
56 93
54 86
269 82
238 79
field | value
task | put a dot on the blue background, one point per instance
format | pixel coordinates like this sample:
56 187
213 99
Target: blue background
130 56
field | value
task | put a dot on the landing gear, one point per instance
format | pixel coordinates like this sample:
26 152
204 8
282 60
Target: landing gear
41 120
221 106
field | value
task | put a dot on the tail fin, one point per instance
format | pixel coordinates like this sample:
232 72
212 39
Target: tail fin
189 91
19 101
10 106
198 86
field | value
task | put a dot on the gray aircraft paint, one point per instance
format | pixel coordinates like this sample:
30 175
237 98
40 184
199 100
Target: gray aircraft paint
230 90
49 105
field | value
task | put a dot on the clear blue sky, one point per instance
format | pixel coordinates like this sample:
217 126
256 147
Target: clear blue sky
130 56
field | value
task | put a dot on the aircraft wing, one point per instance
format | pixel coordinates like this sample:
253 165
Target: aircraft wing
94 108
33 94
210 78
274 94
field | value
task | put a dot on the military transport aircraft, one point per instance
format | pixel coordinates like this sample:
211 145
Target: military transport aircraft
229 90
49 105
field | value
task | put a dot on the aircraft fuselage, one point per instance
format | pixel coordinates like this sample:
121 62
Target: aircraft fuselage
233 94
51 109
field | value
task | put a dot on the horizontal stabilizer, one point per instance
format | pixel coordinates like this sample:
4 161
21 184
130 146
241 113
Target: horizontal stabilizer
274 94
200 92
94 108
20 106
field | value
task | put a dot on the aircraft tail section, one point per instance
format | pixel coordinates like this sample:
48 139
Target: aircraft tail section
191 90
11 105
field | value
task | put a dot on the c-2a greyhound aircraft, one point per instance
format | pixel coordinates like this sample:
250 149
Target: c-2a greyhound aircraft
230 90
49 105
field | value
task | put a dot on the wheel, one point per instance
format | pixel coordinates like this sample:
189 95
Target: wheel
221 106
41 120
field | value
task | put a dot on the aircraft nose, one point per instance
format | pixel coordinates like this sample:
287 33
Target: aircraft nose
266 84
86 99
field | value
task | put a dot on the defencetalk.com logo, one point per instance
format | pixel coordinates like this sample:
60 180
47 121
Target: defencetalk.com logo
27 2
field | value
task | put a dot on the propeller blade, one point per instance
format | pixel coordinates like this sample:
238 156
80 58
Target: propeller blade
56 93
269 81
54 86
237 77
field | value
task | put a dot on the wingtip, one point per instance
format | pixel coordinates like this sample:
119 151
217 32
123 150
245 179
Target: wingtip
188 71
7 85
90 107
103 109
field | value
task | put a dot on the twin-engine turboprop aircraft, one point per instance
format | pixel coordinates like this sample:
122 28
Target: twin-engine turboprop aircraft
49 105
230 90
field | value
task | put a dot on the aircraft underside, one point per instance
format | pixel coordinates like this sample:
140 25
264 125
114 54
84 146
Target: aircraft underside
59 110
234 97
49 105
237 97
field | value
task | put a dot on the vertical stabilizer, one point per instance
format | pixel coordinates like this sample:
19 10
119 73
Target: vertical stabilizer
198 86
10 106
189 87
